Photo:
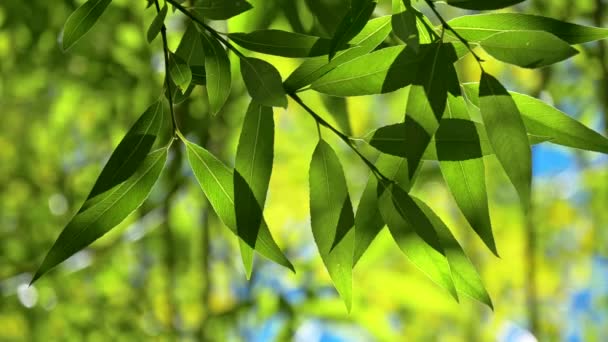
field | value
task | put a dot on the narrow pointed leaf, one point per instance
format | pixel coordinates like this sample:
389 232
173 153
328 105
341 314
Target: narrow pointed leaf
282 43
405 27
481 5
367 40
476 28
157 24
353 22
507 135
82 20
466 278
379 72
217 68
220 9
190 49
180 72
368 219
466 178
528 49
253 167
541 119
415 235
331 216
216 181
263 82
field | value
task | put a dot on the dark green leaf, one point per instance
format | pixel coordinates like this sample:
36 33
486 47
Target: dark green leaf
282 43
352 23
367 40
263 82
216 180
331 217
415 235
180 72
405 27
122 186
476 28
217 67
466 279
157 24
82 20
253 167
507 135
466 178
528 49
220 9
482 5
190 49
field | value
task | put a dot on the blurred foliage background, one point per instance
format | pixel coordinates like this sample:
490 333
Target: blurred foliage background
172 271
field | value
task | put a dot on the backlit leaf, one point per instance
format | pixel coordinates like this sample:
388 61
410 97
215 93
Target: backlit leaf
481 5
180 72
122 186
82 20
217 68
352 23
216 181
331 217
263 82
157 24
282 43
507 135
220 9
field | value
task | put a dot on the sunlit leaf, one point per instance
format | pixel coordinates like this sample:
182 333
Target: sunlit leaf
122 186
541 119
352 23
282 43
253 167
82 20
157 24
507 135
216 181
220 9
180 72
415 235
263 82
527 49
476 28
466 178
217 68
367 40
331 216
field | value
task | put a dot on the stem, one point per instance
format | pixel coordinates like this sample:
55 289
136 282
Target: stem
456 34
163 33
320 121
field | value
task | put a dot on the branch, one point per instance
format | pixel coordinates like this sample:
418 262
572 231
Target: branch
163 33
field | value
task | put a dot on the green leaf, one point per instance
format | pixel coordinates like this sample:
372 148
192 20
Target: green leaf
372 35
218 77
216 181
466 278
368 220
379 72
331 217
122 186
427 101
527 49
352 23
190 49
253 167
282 43
481 5
157 24
544 120
476 28
405 27
466 178
507 135
263 82
180 72
220 9
415 235
82 20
